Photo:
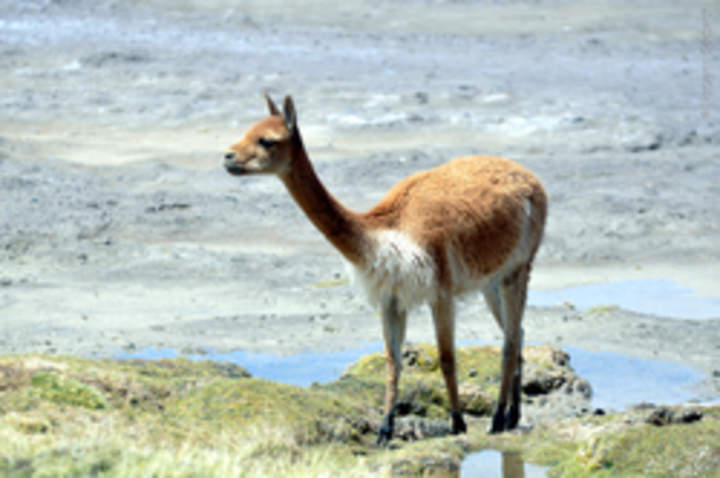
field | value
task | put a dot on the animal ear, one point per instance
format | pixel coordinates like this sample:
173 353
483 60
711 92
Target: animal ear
289 115
274 111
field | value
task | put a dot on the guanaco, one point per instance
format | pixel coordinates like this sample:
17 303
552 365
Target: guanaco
474 223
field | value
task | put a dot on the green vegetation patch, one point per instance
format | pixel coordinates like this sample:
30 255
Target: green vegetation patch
422 386
602 309
305 416
64 416
51 386
628 445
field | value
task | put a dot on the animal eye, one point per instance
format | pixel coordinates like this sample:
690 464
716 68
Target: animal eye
267 143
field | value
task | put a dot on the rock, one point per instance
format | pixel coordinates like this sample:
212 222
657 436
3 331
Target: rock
101 59
551 388
660 417
689 416
663 416
652 144
413 428
419 358
422 97
474 400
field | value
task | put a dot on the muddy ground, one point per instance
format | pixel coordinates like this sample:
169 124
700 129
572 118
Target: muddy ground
120 231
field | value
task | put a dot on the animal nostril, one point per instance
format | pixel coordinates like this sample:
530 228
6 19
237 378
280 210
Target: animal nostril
229 156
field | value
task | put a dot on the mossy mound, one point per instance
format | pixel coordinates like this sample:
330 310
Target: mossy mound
65 416
631 444
305 416
422 389
51 386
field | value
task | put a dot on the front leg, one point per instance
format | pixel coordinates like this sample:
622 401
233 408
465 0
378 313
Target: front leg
394 322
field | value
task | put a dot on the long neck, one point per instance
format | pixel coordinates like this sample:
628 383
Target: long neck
342 227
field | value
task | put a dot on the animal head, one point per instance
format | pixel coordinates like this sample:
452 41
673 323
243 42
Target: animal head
267 146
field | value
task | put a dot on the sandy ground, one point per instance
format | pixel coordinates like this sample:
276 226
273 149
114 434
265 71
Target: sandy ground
119 230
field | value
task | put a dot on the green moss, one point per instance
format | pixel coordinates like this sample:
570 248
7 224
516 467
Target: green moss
422 385
330 283
677 450
304 415
601 309
181 418
436 458
50 386
624 445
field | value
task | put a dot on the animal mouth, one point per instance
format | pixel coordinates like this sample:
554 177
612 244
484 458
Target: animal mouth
235 169
232 166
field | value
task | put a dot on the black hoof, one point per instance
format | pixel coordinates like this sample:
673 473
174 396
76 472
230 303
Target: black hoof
512 418
498 422
386 430
458 424
384 436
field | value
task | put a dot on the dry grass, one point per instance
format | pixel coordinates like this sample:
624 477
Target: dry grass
64 416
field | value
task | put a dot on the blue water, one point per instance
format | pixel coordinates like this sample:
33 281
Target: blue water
617 380
299 369
620 380
492 464
648 296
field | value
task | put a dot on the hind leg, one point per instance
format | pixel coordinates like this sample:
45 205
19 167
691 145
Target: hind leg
509 301
444 319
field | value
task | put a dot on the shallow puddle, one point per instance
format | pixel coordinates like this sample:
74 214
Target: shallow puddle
617 380
620 380
648 296
299 369
491 463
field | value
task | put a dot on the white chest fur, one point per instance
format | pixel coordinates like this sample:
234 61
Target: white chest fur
397 266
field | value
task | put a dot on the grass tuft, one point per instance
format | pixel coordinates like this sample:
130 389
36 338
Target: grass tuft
65 416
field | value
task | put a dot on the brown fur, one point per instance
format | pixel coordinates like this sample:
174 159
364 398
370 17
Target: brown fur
473 202
471 211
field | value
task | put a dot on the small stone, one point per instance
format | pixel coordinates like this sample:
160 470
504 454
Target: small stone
660 417
422 97
689 416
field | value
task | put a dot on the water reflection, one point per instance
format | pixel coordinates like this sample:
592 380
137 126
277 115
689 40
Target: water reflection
491 463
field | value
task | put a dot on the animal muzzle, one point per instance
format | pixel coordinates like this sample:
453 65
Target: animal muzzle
231 164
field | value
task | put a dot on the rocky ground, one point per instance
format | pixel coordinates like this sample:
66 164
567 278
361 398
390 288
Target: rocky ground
119 230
